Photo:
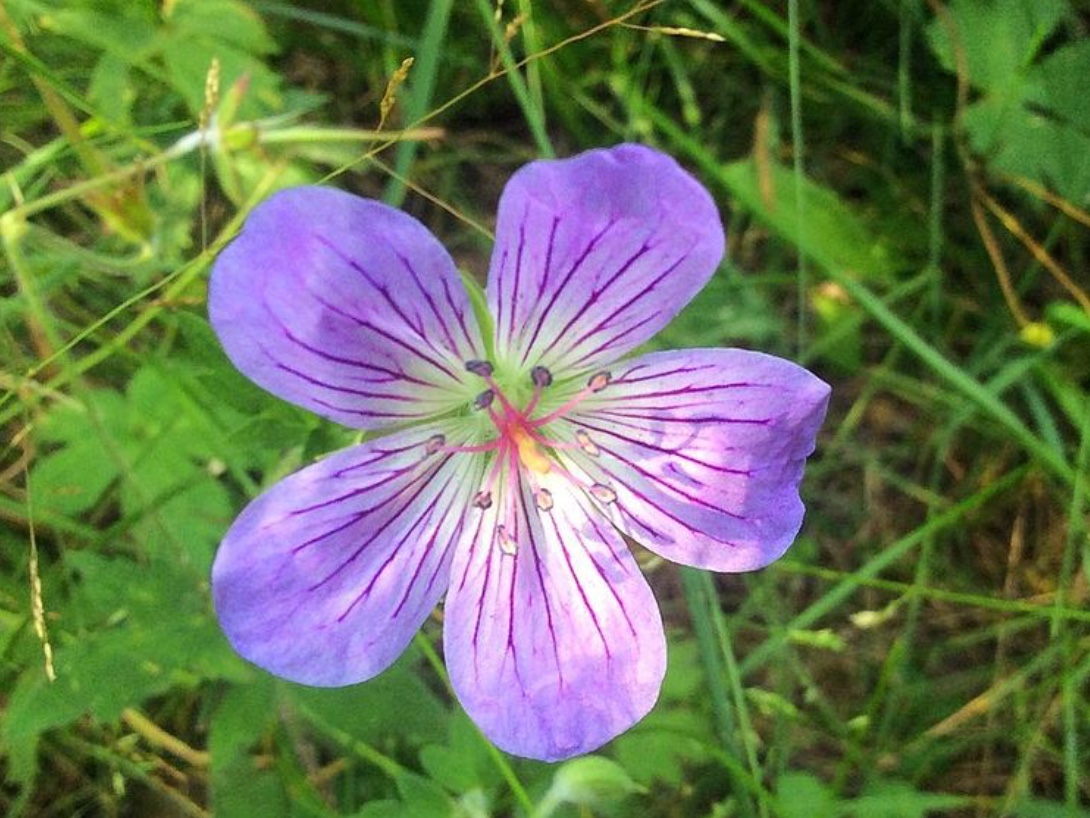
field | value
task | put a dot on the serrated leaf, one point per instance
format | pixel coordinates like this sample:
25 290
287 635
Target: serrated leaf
998 37
157 634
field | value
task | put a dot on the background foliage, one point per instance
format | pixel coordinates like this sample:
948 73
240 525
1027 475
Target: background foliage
906 185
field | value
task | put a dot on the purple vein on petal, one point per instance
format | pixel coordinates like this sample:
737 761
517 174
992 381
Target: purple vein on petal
454 348
381 289
647 290
471 344
393 517
672 451
391 374
579 585
645 501
543 313
666 485
513 299
396 474
346 390
544 593
653 316
668 413
693 389
355 319
431 542
543 281
591 300
416 326
422 518
656 374
612 588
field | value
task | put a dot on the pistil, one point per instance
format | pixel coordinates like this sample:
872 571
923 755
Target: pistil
522 452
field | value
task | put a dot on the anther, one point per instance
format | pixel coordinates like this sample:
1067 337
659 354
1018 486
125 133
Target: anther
544 499
599 381
483 499
478 367
507 543
435 443
586 444
603 493
484 400
541 376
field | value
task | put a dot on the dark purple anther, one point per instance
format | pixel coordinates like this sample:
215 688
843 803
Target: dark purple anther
482 368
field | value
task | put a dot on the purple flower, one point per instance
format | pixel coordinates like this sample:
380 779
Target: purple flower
514 460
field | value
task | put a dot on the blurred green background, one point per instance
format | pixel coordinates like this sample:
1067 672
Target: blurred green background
906 186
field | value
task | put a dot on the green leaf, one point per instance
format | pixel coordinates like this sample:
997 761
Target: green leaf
462 764
241 788
899 799
394 703
1033 117
998 37
1039 808
831 233
802 795
72 478
225 21
1019 139
678 731
136 631
125 30
111 89
590 781
422 797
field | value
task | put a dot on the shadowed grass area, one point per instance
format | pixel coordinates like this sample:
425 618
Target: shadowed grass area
906 187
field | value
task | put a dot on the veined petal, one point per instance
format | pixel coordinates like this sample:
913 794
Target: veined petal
344 306
557 648
324 578
596 253
705 450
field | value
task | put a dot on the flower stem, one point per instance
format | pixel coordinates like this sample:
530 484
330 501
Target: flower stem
725 686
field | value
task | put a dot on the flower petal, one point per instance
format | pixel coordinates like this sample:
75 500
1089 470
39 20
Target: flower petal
558 648
705 450
596 253
325 578
344 306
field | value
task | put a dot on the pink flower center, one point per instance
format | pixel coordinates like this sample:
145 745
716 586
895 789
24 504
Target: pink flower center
523 454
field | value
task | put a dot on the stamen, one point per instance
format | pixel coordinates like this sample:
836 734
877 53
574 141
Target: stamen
507 543
544 499
435 443
586 444
596 384
603 493
541 376
599 381
478 367
484 400
483 499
